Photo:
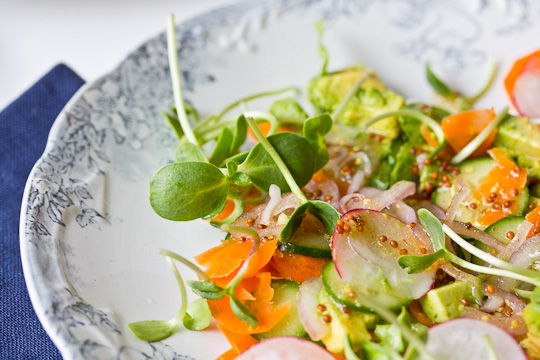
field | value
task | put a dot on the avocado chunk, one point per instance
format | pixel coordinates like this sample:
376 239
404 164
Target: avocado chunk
444 303
354 324
522 140
288 111
327 92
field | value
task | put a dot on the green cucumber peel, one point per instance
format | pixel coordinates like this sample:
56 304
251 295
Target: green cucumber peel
426 120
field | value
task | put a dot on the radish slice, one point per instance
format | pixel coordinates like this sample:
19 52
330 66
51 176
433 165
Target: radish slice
527 93
464 339
285 348
360 256
375 199
310 318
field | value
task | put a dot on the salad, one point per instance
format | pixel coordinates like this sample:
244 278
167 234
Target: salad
374 229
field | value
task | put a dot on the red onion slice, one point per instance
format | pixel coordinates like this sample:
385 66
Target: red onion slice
402 211
514 324
311 319
457 200
285 348
337 154
428 205
357 182
464 339
375 199
328 190
470 231
520 237
524 257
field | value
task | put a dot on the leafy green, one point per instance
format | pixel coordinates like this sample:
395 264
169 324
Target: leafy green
242 312
433 227
188 191
198 316
175 124
296 153
314 132
223 147
189 152
438 85
239 135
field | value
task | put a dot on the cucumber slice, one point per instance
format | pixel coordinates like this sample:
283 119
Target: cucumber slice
341 292
474 172
290 325
498 230
309 242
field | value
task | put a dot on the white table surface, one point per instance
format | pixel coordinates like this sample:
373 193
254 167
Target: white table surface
91 37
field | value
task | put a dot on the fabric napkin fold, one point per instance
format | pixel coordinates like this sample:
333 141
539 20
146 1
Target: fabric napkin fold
24 128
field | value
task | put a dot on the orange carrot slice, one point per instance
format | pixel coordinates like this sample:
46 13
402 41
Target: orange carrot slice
266 313
229 208
503 179
228 355
297 267
534 218
226 260
461 128
517 69
265 129
239 342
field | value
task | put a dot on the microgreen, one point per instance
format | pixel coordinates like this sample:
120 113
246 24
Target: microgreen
323 53
196 188
158 330
465 102
436 232
198 315
426 120
349 351
438 85
323 211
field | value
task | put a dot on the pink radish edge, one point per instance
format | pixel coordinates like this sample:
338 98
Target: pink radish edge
285 348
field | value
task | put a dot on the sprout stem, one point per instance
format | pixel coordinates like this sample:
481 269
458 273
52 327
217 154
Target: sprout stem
176 81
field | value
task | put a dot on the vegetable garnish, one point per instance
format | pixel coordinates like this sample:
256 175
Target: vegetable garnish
523 83
358 227
195 317
426 120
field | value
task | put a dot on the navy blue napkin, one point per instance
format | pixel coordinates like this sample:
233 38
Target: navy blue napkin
24 127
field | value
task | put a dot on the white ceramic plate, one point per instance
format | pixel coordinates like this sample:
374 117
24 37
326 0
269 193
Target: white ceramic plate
89 238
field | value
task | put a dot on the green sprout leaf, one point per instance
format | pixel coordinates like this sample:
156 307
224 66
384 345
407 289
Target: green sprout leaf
293 223
223 147
189 152
433 227
175 124
242 312
438 85
314 132
152 330
189 190
296 153
240 134
417 264
325 212
198 316
288 111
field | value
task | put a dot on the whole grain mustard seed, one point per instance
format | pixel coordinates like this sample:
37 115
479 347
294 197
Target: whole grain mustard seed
423 250
403 252
508 312
490 289
510 235
382 238
321 308
261 226
393 244
360 228
327 318
346 228
328 197
340 222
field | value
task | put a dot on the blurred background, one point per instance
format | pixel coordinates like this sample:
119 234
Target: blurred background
91 37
